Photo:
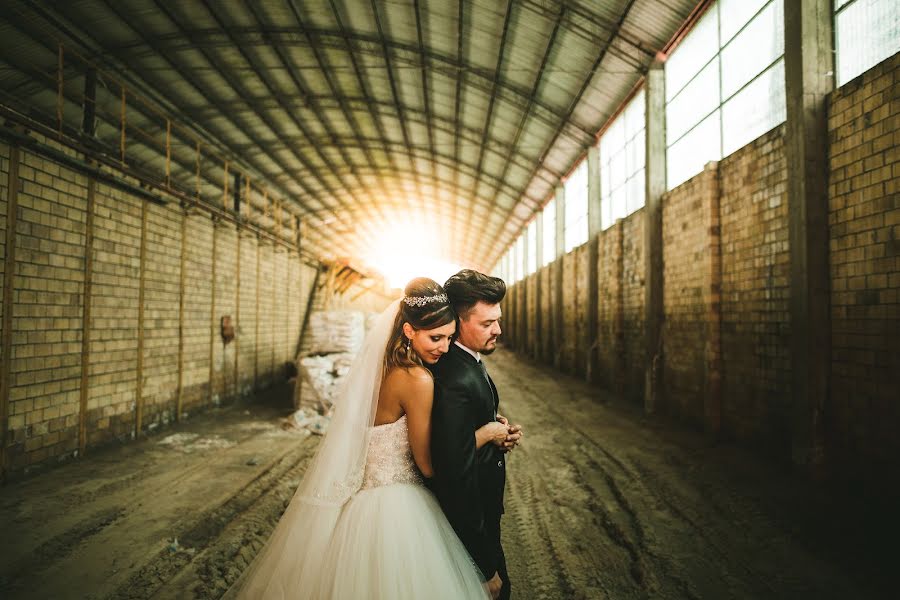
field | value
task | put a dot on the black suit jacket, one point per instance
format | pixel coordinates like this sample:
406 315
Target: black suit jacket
468 483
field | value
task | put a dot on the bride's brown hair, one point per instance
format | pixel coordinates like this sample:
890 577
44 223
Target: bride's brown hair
424 310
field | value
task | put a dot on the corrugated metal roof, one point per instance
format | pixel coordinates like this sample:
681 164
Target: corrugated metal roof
357 113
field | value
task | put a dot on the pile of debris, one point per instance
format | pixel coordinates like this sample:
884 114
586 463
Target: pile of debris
335 336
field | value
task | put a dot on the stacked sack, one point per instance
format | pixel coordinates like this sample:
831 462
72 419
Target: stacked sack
334 339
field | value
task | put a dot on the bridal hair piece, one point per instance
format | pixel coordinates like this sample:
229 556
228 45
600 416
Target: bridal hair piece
423 300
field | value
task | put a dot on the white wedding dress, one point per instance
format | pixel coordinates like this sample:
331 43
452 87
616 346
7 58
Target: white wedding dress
361 524
392 540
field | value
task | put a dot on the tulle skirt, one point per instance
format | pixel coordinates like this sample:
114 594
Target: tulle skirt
394 543
391 542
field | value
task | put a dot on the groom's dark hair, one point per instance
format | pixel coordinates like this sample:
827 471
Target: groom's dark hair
468 287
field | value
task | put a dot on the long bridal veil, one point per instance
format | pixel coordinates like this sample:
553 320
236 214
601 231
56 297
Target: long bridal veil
289 563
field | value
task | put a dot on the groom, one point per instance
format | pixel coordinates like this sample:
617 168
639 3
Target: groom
469 481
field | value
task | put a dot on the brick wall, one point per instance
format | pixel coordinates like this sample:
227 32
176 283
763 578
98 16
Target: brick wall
609 284
687 222
245 330
225 306
162 286
864 220
115 285
198 326
44 413
583 337
46 315
756 294
633 349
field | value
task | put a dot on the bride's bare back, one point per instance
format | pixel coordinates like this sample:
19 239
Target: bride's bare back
410 392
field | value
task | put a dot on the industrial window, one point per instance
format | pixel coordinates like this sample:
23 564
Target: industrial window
622 154
576 223
549 232
531 248
724 84
866 32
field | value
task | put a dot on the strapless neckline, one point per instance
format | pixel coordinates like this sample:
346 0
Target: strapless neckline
402 418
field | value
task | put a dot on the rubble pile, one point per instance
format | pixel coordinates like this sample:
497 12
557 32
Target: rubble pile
334 339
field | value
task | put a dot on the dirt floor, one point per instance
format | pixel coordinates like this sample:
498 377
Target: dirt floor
601 503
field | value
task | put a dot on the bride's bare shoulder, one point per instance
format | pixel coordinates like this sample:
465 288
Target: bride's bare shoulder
417 376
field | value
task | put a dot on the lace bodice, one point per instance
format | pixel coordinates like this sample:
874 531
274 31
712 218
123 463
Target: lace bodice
389 458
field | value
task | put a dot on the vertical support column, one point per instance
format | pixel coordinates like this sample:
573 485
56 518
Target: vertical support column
809 68
655 182
559 337
179 402
86 316
139 391
593 308
12 206
212 310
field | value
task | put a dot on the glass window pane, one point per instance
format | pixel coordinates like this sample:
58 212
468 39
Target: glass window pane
694 51
687 156
867 32
549 232
696 101
754 110
734 14
754 49
634 114
635 195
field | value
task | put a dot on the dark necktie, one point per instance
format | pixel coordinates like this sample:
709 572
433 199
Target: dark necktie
488 379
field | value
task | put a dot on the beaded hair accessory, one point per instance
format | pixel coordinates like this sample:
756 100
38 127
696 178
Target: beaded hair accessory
423 300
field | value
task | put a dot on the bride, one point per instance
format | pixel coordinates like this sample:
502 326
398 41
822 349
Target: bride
362 524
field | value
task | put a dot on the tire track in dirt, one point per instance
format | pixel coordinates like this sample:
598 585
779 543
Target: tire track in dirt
246 505
56 548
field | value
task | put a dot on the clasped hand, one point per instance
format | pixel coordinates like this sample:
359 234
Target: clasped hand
513 435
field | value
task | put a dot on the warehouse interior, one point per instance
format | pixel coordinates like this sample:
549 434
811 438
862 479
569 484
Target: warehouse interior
695 206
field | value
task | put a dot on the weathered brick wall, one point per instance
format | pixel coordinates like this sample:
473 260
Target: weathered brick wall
864 219
633 349
44 411
686 247
198 326
532 318
279 314
245 330
756 294
583 337
162 287
545 304
609 307
225 305
569 304
45 357
115 285
267 306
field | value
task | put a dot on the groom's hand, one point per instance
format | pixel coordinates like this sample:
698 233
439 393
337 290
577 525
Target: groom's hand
513 437
494 584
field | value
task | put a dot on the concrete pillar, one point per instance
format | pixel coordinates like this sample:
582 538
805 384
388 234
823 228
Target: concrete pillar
558 329
655 176
809 78
593 335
